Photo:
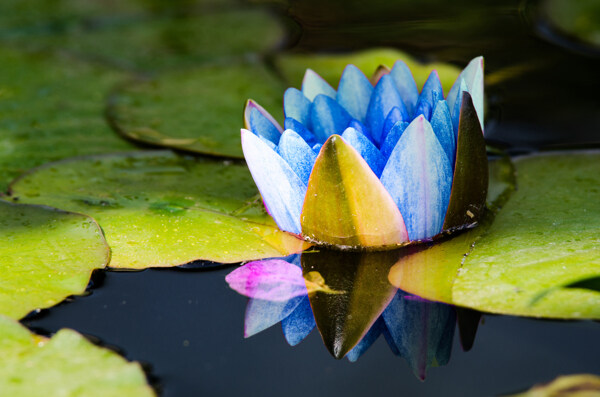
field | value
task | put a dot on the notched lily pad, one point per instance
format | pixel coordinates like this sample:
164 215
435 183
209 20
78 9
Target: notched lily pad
46 255
65 365
545 237
331 66
158 209
198 111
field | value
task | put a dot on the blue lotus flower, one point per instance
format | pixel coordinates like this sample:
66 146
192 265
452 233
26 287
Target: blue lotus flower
375 163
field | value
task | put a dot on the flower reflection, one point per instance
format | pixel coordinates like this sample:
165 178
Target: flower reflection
420 331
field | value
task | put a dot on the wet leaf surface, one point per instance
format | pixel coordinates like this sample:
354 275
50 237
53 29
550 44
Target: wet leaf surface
65 365
46 255
546 236
158 209
198 111
51 108
331 66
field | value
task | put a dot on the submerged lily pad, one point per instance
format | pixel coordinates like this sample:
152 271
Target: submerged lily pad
198 111
158 209
331 66
65 365
51 108
157 44
546 236
46 255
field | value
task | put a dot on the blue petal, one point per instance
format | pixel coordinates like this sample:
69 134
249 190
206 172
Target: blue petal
260 123
281 188
317 148
406 85
305 133
418 176
328 118
392 138
298 325
262 314
314 85
301 158
430 95
296 106
365 148
455 102
394 116
441 122
385 97
360 127
473 80
354 92
367 341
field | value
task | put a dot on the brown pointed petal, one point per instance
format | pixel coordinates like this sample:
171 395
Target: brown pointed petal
470 183
346 204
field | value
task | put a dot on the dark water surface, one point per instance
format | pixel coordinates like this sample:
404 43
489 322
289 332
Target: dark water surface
188 326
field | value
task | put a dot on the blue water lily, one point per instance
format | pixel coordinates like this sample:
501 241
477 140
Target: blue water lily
375 163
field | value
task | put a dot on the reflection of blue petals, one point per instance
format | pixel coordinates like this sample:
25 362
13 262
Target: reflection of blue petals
421 331
366 342
408 139
262 314
418 330
299 323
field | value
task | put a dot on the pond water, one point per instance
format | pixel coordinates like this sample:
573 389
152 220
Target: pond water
187 326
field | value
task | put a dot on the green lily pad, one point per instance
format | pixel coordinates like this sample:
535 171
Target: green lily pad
159 44
198 111
331 66
46 255
545 237
65 365
158 209
580 385
51 108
